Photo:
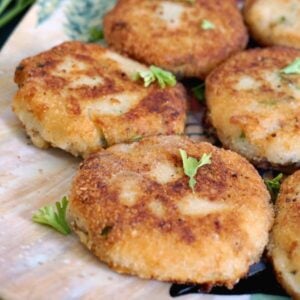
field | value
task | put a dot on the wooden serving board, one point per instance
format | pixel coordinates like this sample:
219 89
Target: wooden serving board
35 261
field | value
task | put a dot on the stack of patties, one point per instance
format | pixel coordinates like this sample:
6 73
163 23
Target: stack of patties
154 203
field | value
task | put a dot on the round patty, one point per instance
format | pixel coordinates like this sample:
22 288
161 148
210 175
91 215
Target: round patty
274 22
82 97
255 107
132 206
284 247
186 37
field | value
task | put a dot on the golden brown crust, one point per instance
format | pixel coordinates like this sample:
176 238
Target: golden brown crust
81 97
274 22
169 34
255 108
132 206
284 247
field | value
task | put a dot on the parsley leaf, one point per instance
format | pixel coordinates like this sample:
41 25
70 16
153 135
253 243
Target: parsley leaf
95 34
147 76
273 185
207 25
137 138
56 219
269 102
293 68
242 135
191 165
199 92
281 20
164 78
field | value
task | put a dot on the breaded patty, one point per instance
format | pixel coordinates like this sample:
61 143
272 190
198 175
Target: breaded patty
274 22
255 107
82 97
132 206
186 37
284 247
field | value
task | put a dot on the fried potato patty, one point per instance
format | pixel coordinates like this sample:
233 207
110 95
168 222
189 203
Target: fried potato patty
81 98
284 246
255 107
186 37
132 206
274 22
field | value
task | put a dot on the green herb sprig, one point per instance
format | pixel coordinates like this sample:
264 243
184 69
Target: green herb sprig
56 219
163 77
273 185
191 166
8 10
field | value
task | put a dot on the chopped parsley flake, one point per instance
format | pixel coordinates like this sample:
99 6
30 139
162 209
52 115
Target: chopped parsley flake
190 1
207 25
96 34
137 138
191 165
273 185
242 135
281 20
293 68
199 92
269 102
